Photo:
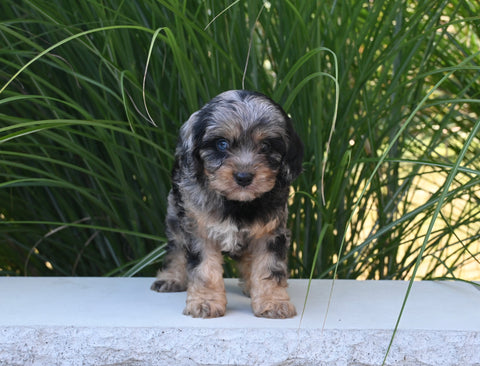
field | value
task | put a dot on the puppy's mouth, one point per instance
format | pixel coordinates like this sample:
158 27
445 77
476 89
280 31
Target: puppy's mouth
242 193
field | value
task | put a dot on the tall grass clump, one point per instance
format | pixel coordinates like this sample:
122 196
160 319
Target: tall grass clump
385 95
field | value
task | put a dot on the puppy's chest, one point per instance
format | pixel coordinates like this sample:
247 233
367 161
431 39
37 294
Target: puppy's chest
228 236
234 239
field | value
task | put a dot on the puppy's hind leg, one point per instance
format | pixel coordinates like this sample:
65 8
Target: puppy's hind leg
173 277
245 267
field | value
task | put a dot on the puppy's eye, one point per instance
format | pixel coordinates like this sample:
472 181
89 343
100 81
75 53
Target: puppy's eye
265 147
222 145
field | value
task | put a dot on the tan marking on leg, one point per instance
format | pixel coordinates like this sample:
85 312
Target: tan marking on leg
245 267
206 290
269 296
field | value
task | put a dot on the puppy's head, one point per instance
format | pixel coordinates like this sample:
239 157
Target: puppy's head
241 144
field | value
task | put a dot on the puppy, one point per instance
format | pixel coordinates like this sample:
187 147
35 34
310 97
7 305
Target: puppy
234 163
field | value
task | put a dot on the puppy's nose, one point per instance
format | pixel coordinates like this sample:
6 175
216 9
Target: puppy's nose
243 178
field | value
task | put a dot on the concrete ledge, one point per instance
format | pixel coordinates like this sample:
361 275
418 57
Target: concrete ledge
116 321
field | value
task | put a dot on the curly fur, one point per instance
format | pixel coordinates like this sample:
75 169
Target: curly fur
235 160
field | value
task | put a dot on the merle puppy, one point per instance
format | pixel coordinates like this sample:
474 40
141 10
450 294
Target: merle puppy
235 160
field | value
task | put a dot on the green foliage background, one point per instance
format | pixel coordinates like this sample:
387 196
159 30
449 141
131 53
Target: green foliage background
385 95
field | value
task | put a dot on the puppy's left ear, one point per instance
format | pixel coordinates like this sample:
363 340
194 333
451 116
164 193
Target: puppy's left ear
294 156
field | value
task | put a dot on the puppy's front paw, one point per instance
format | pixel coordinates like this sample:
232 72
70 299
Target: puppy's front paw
168 286
204 309
274 309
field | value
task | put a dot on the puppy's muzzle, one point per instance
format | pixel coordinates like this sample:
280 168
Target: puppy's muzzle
243 179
